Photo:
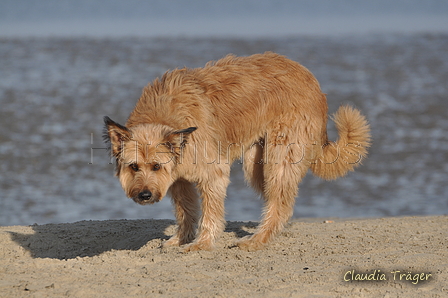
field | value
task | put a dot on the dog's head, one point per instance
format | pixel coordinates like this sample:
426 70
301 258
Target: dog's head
146 157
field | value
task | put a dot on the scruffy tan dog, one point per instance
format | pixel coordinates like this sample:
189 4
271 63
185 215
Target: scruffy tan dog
265 111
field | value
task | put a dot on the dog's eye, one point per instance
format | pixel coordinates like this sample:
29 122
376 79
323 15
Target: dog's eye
156 167
134 167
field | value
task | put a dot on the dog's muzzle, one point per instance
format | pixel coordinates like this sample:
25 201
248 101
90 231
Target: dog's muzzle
145 196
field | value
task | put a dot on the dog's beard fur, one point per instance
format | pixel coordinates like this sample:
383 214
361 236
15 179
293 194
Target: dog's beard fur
145 157
134 183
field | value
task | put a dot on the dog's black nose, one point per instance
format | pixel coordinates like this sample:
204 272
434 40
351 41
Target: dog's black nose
145 195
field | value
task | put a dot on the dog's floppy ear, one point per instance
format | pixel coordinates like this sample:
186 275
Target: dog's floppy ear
114 135
178 138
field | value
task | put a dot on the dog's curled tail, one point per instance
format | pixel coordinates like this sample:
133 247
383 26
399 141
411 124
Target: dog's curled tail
347 152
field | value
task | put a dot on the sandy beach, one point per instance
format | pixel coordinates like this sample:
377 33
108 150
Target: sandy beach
399 256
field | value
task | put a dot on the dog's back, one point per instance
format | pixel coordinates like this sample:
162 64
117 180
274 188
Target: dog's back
238 100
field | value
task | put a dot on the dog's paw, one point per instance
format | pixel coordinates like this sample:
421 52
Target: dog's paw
249 243
173 241
195 246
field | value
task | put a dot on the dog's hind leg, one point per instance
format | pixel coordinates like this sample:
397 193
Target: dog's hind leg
282 175
212 222
185 200
253 167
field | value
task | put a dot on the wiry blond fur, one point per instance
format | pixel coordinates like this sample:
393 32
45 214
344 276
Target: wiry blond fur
265 110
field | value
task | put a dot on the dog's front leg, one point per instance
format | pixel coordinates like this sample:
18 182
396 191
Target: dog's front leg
185 201
212 221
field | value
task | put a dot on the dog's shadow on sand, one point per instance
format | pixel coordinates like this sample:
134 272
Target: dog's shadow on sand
91 238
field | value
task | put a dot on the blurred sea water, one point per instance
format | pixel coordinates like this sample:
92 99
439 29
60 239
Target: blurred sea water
55 89
54 92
